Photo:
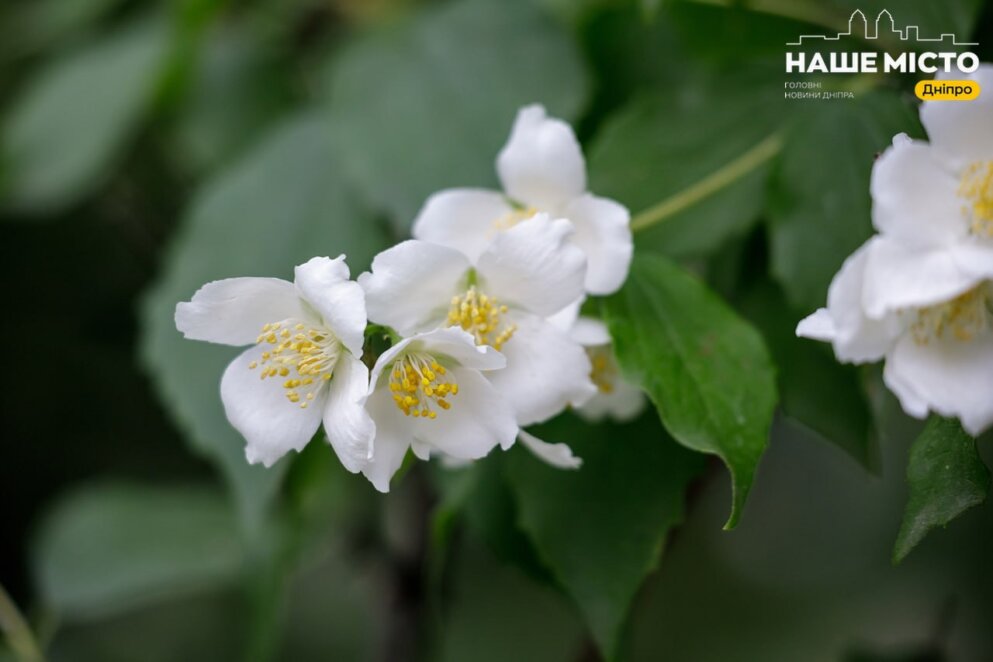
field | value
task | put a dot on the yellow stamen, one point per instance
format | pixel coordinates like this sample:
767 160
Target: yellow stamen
964 317
604 371
415 382
480 315
977 189
311 354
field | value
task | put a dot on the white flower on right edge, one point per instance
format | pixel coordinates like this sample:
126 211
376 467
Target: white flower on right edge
920 293
542 169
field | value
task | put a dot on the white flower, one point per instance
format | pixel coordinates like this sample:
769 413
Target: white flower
920 292
527 273
616 397
542 170
427 393
304 365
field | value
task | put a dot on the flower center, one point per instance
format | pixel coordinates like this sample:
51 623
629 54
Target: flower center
604 372
963 318
480 315
513 217
304 355
977 189
417 384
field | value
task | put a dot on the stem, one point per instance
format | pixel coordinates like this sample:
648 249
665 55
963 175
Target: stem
710 184
15 627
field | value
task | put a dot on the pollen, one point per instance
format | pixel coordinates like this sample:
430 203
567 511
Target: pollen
481 316
420 386
604 369
301 356
977 190
963 318
512 218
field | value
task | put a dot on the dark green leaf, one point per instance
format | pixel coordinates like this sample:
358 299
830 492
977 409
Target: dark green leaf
280 205
428 104
74 119
692 165
601 529
815 389
109 548
706 369
820 195
946 477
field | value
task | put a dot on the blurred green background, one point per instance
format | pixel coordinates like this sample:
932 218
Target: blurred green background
147 147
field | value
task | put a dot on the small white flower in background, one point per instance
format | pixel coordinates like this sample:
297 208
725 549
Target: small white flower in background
542 170
616 398
527 273
428 393
920 292
303 366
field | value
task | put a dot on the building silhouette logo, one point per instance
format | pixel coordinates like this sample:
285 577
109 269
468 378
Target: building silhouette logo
859 26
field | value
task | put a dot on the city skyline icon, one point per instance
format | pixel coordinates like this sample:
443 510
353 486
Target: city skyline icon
884 24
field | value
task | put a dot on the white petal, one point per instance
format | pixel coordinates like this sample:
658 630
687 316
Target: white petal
974 257
259 410
624 403
557 455
899 276
590 332
324 284
534 266
463 219
818 325
233 311
450 342
566 318
411 285
546 371
603 232
963 131
348 425
858 338
914 197
951 377
479 420
542 164
391 443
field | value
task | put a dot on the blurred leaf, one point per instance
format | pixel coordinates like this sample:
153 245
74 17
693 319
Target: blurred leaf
946 477
815 389
42 24
819 209
706 369
281 204
73 120
427 105
601 529
496 615
109 548
692 164
235 92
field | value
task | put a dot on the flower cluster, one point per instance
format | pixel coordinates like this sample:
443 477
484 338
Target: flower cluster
920 292
482 308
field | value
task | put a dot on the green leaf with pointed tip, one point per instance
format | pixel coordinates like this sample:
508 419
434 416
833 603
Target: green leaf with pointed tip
109 548
427 104
69 125
946 477
600 529
280 205
707 370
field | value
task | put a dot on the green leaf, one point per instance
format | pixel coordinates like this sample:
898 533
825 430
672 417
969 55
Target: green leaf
73 121
946 477
109 548
601 529
283 203
819 208
427 104
815 389
728 132
706 369
43 23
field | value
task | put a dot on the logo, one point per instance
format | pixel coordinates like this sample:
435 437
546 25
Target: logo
929 61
